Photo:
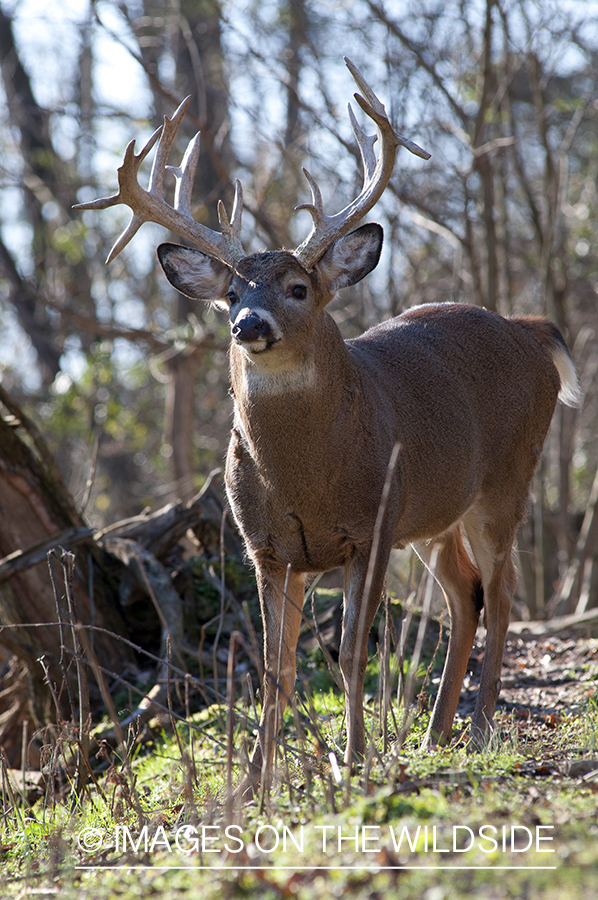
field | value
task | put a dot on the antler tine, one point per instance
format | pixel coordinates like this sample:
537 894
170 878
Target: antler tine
170 129
316 208
365 144
372 106
231 229
130 162
401 141
135 223
150 205
377 171
128 170
185 176
364 87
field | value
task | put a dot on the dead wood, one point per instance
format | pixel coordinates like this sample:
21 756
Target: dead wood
39 524
585 548
153 579
576 625
36 553
37 513
159 531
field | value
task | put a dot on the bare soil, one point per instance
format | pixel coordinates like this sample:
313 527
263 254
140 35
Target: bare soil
544 683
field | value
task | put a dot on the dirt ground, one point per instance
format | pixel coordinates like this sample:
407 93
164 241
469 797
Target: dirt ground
544 682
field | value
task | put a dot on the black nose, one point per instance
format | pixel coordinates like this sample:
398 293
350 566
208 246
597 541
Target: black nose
251 328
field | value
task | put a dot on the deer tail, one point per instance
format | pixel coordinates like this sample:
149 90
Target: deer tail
550 337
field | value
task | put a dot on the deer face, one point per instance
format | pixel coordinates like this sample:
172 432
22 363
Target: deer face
273 302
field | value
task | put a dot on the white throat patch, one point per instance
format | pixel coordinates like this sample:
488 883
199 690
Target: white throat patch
266 381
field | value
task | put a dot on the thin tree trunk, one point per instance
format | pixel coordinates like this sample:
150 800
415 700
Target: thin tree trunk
483 164
180 419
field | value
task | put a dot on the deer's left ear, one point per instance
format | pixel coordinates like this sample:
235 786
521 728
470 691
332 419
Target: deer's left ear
352 257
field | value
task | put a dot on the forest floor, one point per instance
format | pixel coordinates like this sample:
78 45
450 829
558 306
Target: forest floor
517 821
544 684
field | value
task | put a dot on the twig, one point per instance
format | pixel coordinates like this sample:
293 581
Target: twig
169 696
385 676
421 631
7 788
67 560
230 725
222 599
62 639
372 565
92 469
98 672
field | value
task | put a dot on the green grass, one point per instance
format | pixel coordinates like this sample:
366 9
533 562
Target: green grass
278 849
161 822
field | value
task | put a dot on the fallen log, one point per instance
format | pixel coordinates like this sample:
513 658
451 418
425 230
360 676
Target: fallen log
576 625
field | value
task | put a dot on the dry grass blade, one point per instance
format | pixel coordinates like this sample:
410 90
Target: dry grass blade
409 687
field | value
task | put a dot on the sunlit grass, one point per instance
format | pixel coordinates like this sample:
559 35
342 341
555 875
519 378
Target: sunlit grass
180 778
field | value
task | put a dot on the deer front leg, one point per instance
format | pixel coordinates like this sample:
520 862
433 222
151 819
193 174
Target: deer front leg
362 598
281 598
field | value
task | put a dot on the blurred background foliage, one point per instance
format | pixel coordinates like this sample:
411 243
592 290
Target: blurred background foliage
128 381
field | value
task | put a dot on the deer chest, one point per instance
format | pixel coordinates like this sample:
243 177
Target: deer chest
286 521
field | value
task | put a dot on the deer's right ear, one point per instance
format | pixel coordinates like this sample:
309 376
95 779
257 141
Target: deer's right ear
193 273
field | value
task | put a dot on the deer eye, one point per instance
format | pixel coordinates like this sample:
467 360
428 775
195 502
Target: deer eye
299 291
231 297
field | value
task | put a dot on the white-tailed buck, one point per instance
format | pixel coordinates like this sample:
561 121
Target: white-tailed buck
427 426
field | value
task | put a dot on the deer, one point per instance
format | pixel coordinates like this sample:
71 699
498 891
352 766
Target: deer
425 430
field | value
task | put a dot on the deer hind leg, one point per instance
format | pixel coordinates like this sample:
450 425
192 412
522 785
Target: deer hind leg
358 616
462 587
281 598
492 545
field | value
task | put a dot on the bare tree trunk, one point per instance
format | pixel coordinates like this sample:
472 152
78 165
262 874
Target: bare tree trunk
180 418
32 126
483 163
572 591
291 180
194 43
46 177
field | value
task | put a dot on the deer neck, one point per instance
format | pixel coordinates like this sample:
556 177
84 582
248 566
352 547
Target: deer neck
295 396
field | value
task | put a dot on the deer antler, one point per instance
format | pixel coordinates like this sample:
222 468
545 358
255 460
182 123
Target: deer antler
150 205
327 229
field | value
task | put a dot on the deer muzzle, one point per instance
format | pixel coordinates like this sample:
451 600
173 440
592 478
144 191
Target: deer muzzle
251 328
